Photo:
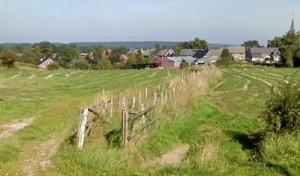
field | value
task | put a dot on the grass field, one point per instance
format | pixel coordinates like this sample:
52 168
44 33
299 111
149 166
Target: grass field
54 98
218 127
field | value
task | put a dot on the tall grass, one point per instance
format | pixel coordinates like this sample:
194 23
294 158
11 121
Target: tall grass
173 99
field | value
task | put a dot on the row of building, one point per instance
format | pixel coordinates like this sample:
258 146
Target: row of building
211 55
166 58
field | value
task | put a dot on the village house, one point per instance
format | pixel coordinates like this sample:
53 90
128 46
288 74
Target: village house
174 62
195 53
263 54
43 63
163 53
106 54
148 52
210 57
238 52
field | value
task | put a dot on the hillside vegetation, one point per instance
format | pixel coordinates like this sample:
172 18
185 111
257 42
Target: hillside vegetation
207 123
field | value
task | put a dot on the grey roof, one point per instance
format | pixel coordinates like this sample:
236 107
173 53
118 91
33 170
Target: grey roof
236 49
188 52
179 59
42 60
133 51
148 52
262 50
213 53
196 53
162 52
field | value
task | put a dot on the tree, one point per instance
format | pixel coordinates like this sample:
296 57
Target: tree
116 54
8 58
251 43
98 52
195 44
289 45
198 44
178 49
140 57
276 42
46 48
131 60
226 58
157 46
65 54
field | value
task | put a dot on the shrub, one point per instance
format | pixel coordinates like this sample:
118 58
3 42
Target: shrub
8 58
81 65
283 108
226 59
184 64
53 66
104 64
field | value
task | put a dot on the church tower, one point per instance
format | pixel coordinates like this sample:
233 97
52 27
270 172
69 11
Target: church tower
292 25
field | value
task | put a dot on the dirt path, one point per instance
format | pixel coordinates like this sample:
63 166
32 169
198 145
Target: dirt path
43 152
14 126
173 157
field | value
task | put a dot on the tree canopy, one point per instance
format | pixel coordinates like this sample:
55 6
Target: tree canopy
65 54
251 43
8 58
289 45
226 58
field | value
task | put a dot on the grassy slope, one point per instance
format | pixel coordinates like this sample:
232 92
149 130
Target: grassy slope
219 140
55 101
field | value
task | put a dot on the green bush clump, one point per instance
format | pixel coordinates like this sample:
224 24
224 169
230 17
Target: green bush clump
81 65
53 66
283 108
184 64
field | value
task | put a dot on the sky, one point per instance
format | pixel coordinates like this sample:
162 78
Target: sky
216 21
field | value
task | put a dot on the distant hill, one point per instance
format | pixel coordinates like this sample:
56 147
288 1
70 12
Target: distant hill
147 44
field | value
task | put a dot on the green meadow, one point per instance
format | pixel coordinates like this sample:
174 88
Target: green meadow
218 123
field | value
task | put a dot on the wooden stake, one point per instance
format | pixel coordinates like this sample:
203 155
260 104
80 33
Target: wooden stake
111 106
124 101
155 98
174 92
82 128
124 128
133 103
146 94
143 116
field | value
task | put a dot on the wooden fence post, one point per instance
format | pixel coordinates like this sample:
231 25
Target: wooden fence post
82 128
143 117
133 103
124 128
146 94
111 106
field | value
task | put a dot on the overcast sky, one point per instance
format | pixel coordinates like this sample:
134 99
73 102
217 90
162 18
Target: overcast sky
217 21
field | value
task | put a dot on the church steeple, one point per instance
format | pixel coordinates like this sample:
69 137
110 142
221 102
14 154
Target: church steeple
292 25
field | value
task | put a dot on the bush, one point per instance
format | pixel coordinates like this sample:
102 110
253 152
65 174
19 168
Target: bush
104 64
226 59
53 66
283 108
8 58
184 64
81 65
